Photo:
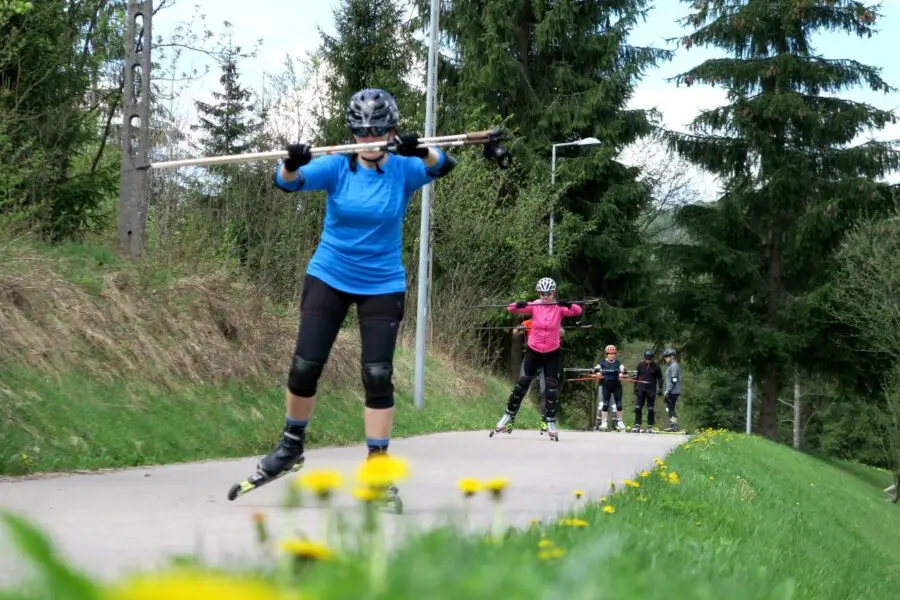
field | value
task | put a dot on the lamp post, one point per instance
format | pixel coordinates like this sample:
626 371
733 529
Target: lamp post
588 141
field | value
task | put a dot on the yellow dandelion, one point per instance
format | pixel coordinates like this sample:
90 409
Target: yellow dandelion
469 486
382 470
573 523
306 550
551 553
367 494
711 478
645 474
545 543
673 477
603 499
189 584
496 487
578 494
608 509
322 482
658 462
631 483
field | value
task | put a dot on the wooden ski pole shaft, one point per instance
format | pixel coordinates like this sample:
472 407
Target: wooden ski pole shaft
462 139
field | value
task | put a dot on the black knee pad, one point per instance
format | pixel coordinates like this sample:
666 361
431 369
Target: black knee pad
376 378
303 377
521 387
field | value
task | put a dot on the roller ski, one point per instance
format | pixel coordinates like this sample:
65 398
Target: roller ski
391 499
287 458
505 424
552 431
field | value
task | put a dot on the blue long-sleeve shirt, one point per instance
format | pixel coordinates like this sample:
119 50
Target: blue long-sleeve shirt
361 247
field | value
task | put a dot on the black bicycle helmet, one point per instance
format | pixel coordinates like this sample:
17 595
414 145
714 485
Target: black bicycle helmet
648 354
372 108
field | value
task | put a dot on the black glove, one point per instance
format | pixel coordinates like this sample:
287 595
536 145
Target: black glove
564 303
298 155
521 304
406 144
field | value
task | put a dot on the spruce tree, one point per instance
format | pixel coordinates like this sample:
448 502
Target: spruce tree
227 126
551 72
759 260
373 48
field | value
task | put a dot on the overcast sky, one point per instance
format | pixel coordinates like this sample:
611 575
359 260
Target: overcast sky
291 28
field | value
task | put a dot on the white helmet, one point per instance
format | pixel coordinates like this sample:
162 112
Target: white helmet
545 284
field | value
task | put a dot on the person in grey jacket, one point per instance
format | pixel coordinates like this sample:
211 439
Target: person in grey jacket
673 387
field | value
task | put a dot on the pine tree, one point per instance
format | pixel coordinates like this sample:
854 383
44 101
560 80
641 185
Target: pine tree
551 72
227 127
759 259
373 47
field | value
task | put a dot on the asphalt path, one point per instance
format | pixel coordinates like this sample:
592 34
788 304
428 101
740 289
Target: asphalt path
112 522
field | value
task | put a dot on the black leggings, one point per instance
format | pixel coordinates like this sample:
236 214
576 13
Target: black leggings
323 310
649 398
614 389
530 364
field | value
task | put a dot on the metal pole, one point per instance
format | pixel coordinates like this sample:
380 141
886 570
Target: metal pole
425 222
552 184
749 392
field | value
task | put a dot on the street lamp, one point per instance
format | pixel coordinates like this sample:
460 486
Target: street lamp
588 141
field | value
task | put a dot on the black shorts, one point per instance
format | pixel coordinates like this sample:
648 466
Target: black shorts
323 310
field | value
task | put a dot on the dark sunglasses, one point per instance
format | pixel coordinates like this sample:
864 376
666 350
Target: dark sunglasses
370 131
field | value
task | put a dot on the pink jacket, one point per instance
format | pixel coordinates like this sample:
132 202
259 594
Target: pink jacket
545 322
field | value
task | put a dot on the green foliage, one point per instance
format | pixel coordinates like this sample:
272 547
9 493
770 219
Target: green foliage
54 98
794 185
373 48
731 503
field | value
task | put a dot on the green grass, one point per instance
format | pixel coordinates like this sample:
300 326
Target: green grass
70 422
746 520
750 520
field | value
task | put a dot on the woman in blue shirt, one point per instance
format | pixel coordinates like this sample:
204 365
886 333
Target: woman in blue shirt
358 261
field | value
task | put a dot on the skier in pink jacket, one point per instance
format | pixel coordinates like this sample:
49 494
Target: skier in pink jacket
542 351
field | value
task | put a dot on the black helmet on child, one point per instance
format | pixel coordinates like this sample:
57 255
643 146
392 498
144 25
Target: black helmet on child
648 354
373 108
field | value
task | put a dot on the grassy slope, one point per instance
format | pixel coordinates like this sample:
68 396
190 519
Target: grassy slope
750 520
103 364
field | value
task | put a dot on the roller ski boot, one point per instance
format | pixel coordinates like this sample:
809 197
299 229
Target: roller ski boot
391 499
552 431
620 426
603 426
285 459
636 429
543 424
505 424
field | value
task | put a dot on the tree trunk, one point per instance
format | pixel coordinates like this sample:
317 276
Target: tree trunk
797 411
768 408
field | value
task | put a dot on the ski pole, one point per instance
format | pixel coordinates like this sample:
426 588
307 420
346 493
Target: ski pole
519 326
490 136
590 301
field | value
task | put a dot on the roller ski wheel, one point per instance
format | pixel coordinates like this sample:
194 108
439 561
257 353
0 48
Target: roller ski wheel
543 427
505 425
391 500
260 479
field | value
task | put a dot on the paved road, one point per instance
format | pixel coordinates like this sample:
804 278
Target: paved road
133 519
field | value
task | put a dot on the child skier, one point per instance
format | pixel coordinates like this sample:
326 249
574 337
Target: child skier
611 368
542 350
649 380
673 387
